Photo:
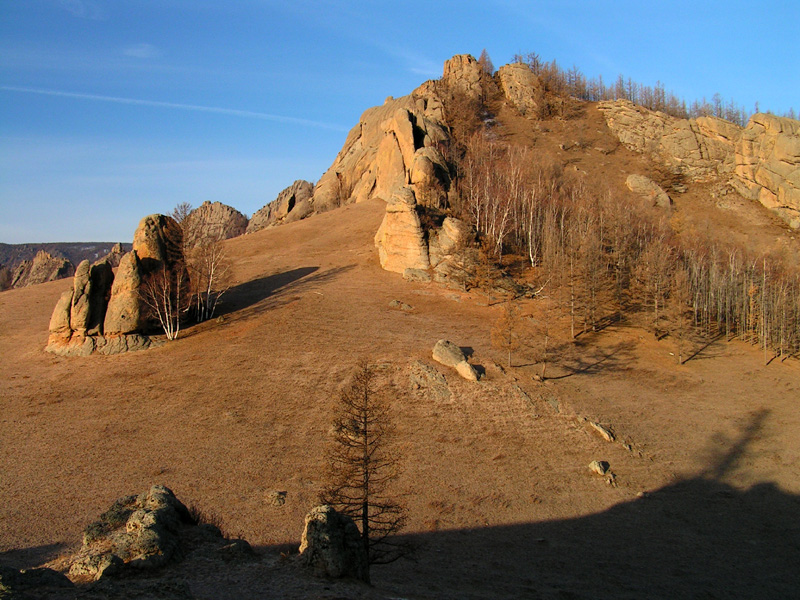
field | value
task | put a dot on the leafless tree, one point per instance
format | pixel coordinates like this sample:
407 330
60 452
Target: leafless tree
164 293
362 466
181 211
506 334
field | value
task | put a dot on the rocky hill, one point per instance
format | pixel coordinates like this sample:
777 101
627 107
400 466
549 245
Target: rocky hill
618 471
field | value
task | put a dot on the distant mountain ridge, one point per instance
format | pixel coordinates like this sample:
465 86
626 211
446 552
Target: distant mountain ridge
11 255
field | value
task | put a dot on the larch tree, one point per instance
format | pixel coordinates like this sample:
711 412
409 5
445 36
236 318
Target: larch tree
362 467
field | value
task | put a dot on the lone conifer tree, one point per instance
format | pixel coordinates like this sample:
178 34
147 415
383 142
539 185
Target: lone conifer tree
361 467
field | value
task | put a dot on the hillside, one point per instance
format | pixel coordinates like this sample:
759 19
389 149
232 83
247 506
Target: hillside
706 461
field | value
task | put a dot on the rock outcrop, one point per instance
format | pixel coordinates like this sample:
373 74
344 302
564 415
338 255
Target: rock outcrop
115 255
331 545
42 268
768 164
292 204
761 161
649 190
102 312
522 88
400 239
212 221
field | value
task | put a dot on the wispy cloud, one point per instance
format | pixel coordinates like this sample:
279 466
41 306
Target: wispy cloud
175 105
142 51
85 9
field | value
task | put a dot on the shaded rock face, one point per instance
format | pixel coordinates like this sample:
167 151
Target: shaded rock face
292 204
212 221
158 240
649 190
522 88
331 545
43 268
102 312
762 161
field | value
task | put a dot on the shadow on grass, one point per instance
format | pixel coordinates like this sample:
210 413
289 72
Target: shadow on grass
696 538
594 360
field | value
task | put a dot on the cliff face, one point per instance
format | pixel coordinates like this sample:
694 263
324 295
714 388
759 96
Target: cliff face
761 161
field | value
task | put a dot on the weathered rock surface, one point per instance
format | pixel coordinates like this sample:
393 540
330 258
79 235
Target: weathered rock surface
428 381
158 240
649 190
137 531
465 74
43 268
331 545
768 164
400 239
292 204
762 161
599 466
124 307
522 88
212 221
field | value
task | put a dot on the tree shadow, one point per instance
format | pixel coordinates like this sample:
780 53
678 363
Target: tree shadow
25 557
596 361
252 298
696 538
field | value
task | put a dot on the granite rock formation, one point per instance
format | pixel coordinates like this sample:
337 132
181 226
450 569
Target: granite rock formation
42 268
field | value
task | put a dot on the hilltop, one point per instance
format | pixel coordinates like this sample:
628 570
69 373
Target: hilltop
495 473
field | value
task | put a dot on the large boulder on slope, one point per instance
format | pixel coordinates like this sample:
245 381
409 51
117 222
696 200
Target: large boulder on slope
212 221
522 88
158 240
123 314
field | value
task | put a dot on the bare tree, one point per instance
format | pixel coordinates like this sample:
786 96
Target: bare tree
164 293
181 211
506 330
486 63
361 467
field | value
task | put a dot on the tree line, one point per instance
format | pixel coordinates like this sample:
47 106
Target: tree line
572 82
602 258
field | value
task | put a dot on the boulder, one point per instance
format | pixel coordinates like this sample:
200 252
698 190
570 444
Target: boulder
602 431
292 204
400 239
42 268
599 466
450 355
212 221
60 321
447 353
522 88
649 190
158 240
137 531
123 314
331 545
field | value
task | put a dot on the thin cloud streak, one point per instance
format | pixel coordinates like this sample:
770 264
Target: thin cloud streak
174 105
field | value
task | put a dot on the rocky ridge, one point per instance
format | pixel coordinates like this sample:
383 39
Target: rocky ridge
42 268
761 161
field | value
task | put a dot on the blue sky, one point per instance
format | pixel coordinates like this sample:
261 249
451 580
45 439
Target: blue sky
112 110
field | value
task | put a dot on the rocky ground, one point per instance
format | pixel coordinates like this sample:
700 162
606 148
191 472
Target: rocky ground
704 500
